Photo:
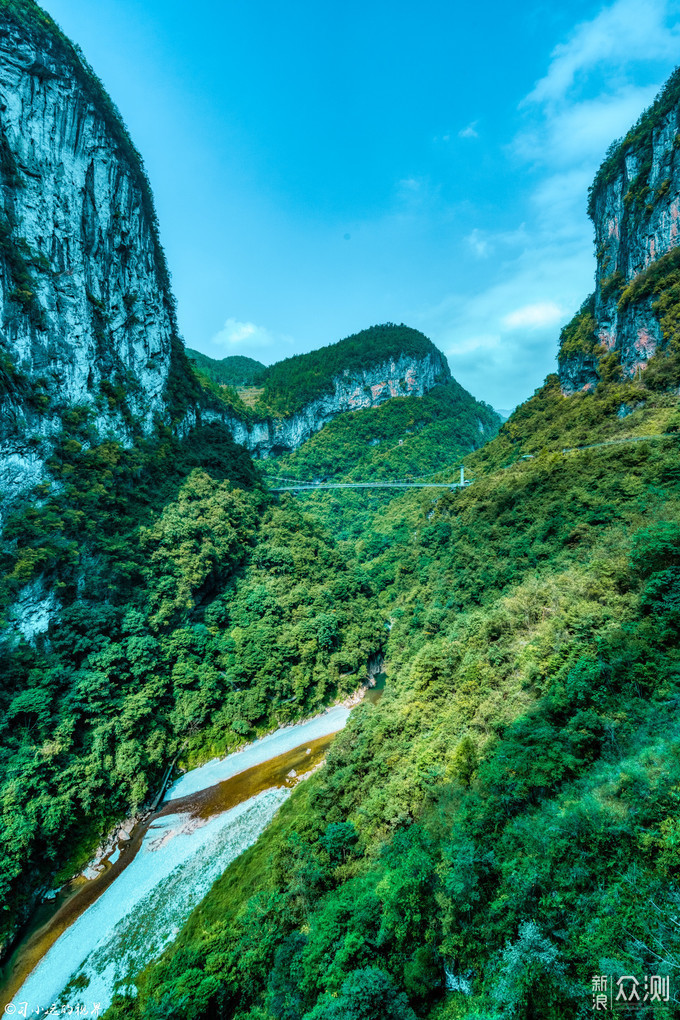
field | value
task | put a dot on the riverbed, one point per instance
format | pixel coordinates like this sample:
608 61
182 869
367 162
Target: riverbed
107 929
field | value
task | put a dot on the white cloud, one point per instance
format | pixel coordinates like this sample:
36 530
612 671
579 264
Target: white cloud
536 316
470 131
246 338
572 132
470 344
624 31
502 341
479 244
242 334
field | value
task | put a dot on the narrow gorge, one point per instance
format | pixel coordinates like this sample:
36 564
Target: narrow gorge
497 825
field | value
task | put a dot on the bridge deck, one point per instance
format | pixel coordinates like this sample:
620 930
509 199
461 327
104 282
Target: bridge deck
368 485
311 486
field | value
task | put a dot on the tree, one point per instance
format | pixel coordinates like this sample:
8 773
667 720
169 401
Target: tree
367 994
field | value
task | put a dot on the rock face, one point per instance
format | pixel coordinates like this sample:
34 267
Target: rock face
398 377
86 313
578 372
635 208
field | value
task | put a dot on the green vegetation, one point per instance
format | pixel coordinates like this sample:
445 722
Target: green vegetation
195 613
612 285
403 438
507 812
232 371
294 382
21 262
578 336
660 276
639 138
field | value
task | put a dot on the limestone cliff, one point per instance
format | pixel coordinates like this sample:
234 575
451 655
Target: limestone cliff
86 312
635 208
352 390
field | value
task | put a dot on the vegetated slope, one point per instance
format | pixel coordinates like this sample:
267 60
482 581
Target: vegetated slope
404 438
503 824
298 397
235 370
294 382
193 612
505 818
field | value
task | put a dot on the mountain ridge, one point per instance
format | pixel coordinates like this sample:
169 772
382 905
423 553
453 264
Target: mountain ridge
298 396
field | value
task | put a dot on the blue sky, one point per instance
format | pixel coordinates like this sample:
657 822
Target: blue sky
321 167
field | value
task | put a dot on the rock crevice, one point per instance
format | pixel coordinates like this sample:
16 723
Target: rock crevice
86 315
635 209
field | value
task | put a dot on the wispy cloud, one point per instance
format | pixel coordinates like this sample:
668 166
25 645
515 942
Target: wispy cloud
470 131
536 316
573 132
628 30
479 244
237 334
238 337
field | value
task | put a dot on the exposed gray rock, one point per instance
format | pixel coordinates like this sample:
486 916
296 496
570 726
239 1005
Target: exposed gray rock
398 377
636 216
33 610
97 309
578 373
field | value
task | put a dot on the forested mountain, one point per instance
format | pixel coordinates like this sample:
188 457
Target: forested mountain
290 384
287 386
232 371
503 823
290 401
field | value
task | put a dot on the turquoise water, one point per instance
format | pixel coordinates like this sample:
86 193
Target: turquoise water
259 751
181 855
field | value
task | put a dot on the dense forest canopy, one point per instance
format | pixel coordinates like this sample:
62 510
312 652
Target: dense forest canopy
504 818
525 745
232 371
502 826
401 439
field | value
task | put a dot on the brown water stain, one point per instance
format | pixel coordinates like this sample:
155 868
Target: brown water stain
52 918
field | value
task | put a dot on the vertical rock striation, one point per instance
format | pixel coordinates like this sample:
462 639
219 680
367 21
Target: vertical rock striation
635 208
402 375
86 312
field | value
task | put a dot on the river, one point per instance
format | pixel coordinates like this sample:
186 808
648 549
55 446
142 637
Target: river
102 932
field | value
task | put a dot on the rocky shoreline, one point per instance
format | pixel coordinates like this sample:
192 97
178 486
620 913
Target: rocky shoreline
122 832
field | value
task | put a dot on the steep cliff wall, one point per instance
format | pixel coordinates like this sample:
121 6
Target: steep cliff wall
86 313
635 208
352 390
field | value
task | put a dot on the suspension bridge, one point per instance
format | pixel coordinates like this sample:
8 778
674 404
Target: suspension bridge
308 486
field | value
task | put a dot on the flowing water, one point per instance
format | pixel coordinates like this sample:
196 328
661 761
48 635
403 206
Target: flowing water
102 932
